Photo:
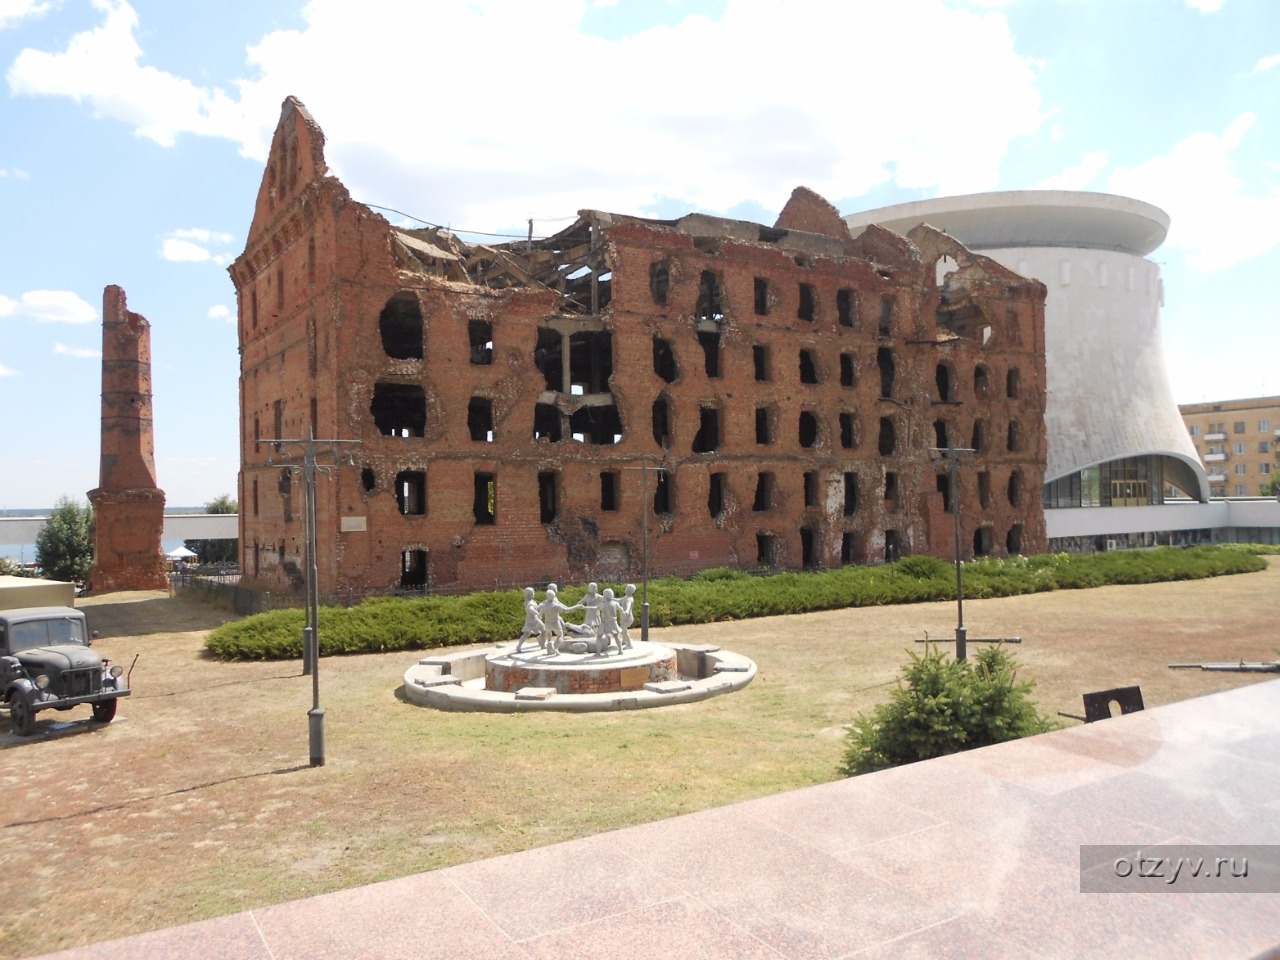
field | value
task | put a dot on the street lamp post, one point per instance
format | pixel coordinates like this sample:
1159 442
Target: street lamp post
644 547
311 632
952 455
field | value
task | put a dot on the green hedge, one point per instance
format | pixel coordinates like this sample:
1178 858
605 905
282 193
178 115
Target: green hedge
390 623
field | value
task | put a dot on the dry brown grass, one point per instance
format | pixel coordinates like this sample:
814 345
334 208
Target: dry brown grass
199 800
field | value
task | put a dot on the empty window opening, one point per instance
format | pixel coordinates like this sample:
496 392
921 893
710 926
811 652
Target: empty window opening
480 419
808 368
892 546
413 570
590 362
848 548
850 494
659 282
709 340
1013 540
978 439
480 333
811 488
709 307
943 380
940 434
255 496
764 492
596 425
662 423
848 372
943 484
285 488
981 381
982 542
1014 442
760 357
546 423
766 550
1012 383
610 491
764 425
848 437
663 499
484 504
715 496
808 308
761 289
548 357
368 480
707 438
1015 489
547 497
411 493
888 441
400 324
808 547
984 489
279 290
664 360
845 307
808 429
886 316
884 360
399 409
891 489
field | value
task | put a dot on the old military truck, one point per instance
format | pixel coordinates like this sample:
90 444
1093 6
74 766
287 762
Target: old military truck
45 656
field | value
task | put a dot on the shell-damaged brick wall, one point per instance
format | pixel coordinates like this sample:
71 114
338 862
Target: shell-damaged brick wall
757 397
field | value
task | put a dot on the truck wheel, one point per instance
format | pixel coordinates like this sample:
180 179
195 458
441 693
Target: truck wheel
21 717
104 711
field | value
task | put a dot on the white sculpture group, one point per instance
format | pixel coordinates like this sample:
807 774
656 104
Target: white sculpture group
604 624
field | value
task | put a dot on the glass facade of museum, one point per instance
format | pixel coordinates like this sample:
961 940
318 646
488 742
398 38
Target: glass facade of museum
1127 482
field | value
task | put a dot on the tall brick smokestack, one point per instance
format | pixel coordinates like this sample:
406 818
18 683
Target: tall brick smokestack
128 506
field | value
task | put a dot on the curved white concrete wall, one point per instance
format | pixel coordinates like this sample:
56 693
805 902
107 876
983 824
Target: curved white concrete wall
1108 391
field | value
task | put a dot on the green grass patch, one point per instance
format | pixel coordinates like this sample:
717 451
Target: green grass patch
383 624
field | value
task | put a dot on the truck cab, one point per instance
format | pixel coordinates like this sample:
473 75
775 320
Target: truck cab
46 662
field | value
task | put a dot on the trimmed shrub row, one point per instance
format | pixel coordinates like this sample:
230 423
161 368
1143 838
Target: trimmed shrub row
392 623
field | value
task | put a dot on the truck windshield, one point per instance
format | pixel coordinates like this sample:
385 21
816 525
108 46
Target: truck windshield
45 633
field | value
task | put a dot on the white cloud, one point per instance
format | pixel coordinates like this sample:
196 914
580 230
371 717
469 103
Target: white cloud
12 11
7 371
49 306
729 124
1266 63
1206 6
1080 176
220 312
65 351
100 67
14 172
1214 221
192 246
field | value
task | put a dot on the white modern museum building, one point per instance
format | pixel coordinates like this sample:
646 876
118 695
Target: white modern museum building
1116 441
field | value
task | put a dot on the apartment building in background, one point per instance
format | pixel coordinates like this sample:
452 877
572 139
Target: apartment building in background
1238 441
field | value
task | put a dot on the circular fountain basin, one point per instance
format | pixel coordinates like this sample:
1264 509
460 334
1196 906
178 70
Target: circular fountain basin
645 675
576 671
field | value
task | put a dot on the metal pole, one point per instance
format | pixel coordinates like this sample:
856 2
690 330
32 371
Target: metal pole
644 553
315 717
962 651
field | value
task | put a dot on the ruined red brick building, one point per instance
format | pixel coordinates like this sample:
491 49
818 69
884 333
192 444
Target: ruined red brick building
514 402
128 507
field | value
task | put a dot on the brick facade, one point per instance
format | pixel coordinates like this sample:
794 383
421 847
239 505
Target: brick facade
771 393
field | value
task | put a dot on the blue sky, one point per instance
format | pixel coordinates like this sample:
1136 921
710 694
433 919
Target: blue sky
133 135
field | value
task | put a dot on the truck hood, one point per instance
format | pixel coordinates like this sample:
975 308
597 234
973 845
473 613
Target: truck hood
63 656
